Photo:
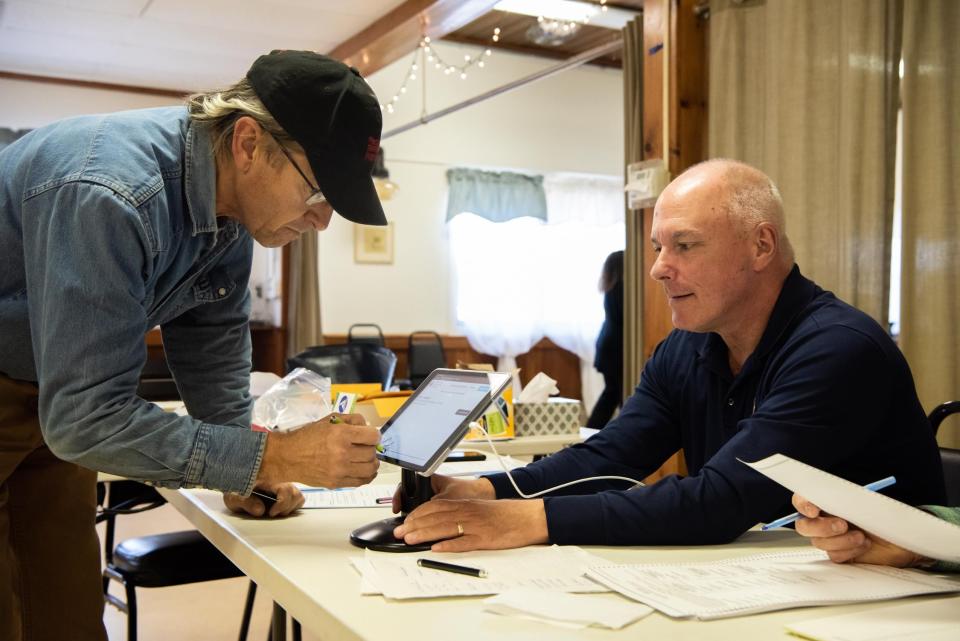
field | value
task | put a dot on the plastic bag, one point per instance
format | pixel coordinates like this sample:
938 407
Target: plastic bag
300 397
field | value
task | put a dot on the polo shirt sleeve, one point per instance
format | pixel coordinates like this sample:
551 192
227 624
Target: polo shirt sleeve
644 435
820 409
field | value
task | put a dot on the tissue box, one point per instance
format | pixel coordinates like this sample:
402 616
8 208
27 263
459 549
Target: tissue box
556 416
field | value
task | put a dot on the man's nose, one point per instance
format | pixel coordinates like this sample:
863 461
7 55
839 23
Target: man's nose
319 218
660 270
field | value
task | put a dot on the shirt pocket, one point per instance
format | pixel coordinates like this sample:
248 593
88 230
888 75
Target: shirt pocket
213 286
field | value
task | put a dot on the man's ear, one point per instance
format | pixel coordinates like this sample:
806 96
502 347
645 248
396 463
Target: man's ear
766 245
246 135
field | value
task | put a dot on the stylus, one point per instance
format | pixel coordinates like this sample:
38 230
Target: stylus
790 518
450 567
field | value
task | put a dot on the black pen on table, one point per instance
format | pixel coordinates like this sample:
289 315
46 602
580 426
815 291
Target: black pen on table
450 567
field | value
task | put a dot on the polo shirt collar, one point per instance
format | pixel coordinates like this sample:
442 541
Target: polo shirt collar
795 295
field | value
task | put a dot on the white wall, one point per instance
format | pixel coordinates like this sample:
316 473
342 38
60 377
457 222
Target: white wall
572 121
26 105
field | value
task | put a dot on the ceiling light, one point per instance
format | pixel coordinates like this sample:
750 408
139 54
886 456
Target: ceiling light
570 11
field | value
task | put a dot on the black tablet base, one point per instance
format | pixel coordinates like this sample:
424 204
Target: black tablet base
414 490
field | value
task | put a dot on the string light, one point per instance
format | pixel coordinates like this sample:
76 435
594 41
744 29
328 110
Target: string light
431 55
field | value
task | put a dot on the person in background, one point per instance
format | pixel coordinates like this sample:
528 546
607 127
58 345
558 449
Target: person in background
761 360
609 358
844 542
113 224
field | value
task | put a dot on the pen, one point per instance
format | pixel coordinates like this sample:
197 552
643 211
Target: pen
450 567
786 520
383 500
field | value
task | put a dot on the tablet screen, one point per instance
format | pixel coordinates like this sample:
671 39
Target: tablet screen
437 416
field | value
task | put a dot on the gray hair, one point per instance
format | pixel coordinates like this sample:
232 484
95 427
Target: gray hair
219 110
752 198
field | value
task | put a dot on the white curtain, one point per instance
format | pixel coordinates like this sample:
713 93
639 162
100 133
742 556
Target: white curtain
521 280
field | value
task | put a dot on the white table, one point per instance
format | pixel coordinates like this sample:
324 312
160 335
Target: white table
303 562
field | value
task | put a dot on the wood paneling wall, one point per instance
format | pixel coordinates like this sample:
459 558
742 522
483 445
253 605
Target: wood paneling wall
545 357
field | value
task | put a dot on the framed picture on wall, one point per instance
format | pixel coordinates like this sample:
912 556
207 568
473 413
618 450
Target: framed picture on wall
373 244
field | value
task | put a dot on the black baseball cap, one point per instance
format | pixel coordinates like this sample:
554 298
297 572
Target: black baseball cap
330 110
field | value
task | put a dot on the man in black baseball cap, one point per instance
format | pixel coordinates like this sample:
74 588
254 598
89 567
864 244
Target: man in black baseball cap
332 113
117 223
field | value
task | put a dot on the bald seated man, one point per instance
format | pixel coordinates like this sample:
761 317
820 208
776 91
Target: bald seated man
761 361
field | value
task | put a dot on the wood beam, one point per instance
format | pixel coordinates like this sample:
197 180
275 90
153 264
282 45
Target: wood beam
398 33
90 84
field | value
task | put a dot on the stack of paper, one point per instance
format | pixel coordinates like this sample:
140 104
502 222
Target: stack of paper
397 576
762 583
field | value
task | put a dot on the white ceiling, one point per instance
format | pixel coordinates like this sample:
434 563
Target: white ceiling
172 44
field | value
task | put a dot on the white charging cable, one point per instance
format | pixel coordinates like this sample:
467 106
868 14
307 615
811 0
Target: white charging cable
635 482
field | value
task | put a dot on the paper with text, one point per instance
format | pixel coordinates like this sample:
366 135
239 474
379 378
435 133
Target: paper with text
897 522
363 496
762 583
556 568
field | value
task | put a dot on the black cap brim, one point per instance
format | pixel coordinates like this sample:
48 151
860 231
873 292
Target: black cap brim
350 191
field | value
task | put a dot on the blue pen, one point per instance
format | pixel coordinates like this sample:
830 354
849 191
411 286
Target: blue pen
787 520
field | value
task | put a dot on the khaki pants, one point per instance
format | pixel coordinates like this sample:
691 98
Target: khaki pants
50 587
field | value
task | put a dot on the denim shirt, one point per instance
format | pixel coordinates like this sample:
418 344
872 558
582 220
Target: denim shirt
108 228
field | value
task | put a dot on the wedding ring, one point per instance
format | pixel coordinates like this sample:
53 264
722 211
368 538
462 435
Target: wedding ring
459 529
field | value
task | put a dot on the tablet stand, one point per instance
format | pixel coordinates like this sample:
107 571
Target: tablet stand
414 490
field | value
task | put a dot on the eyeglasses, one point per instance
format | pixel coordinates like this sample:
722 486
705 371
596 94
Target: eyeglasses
316 196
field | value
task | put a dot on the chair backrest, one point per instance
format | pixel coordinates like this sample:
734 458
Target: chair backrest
349 363
424 354
950 458
370 333
951 474
941 412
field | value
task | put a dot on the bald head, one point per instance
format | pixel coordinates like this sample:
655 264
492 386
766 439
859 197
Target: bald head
744 193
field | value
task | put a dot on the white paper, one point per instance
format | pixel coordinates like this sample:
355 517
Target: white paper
934 620
538 389
888 518
363 496
762 583
568 610
560 569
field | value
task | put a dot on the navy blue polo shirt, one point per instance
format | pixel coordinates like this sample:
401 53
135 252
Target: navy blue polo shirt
826 385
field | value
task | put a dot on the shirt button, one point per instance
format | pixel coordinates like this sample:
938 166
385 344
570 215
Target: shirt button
730 402
223 292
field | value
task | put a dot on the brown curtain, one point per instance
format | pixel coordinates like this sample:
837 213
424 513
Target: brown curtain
806 90
633 276
303 295
930 293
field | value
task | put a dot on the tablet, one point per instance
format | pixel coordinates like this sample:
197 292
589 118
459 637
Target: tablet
422 432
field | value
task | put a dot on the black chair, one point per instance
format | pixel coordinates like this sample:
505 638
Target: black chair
948 456
424 354
349 363
157 560
370 333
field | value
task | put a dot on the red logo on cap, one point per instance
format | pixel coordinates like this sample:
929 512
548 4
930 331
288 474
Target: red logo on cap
373 146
